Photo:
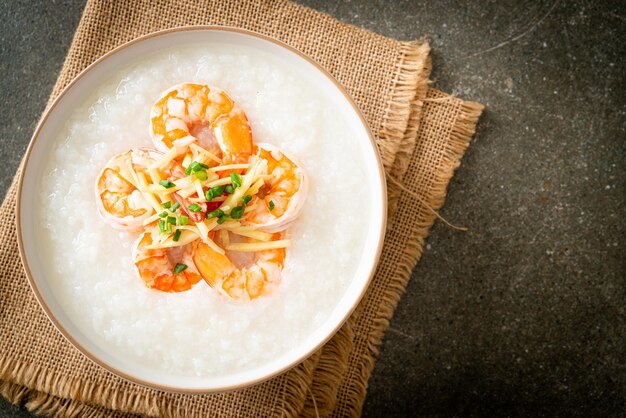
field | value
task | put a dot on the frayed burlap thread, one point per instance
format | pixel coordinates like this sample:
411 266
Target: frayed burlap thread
387 79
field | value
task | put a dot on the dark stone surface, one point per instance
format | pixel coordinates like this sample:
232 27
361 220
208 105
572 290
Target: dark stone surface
523 314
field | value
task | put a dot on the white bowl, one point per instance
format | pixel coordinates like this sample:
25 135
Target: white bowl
41 146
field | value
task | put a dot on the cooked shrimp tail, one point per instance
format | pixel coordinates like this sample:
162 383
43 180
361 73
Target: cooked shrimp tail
240 275
204 114
119 201
282 196
165 269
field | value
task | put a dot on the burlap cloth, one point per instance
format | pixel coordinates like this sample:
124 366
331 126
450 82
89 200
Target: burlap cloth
421 133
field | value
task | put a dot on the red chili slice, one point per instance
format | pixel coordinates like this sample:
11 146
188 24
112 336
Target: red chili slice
184 205
211 206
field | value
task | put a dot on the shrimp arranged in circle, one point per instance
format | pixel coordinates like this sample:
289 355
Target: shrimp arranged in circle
166 269
209 203
241 273
282 196
204 114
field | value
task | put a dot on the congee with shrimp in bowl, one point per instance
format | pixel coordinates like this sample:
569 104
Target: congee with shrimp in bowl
205 210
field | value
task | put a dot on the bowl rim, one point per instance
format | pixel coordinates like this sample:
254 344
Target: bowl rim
306 353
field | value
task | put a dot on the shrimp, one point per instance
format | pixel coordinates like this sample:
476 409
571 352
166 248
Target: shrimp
240 275
158 267
188 112
282 197
119 200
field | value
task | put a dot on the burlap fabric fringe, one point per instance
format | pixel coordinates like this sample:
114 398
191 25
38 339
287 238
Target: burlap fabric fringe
421 134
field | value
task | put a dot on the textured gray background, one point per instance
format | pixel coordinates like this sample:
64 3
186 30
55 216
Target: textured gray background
523 314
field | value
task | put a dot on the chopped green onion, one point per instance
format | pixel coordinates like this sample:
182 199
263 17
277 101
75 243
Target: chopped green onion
177 235
192 166
237 212
179 268
229 189
163 214
213 192
217 213
236 179
194 207
195 167
222 219
167 184
272 205
175 207
183 220
246 199
166 205
201 175
171 220
162 226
